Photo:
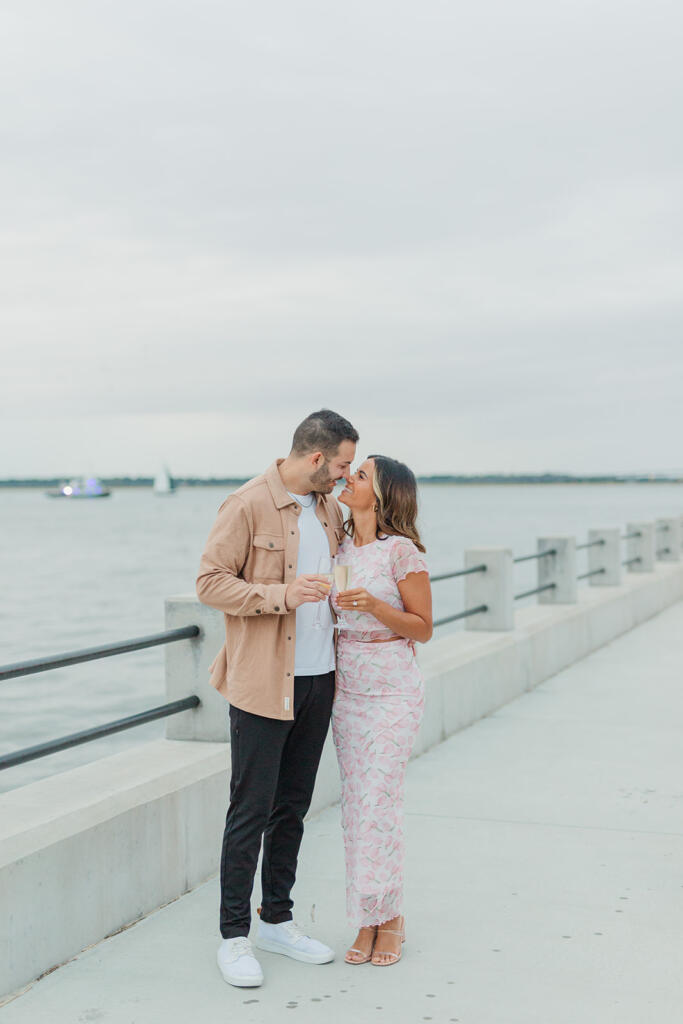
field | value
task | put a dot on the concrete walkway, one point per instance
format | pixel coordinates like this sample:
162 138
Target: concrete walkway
544 883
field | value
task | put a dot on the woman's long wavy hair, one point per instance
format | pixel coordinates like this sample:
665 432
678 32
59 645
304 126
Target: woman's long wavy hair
396 509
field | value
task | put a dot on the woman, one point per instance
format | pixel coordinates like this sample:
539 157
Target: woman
379 699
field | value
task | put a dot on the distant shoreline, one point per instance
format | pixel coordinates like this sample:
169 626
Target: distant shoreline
488 478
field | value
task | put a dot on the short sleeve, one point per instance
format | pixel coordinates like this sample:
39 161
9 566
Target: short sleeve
405 558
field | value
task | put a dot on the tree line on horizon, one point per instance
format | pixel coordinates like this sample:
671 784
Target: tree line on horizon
439 478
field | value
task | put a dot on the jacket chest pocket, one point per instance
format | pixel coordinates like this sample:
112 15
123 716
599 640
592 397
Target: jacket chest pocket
268 557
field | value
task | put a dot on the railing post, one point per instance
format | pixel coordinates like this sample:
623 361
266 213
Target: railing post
559 569
187 672
492 588
669 536
641 547
606 556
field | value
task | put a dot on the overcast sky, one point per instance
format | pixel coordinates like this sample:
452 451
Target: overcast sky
459 224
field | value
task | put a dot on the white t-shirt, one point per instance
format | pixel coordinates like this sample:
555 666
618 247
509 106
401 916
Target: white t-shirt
314 653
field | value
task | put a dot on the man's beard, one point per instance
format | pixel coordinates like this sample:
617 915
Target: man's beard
321 481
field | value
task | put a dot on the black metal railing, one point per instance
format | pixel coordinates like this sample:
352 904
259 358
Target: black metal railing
536 590
539 554
462 615
459 572
34 665
595 572
600 542
97 732
26 668
468 611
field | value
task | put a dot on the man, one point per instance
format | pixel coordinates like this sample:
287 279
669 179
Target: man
260 568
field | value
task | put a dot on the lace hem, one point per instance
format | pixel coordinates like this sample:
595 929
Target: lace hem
366 911
400 578
406 559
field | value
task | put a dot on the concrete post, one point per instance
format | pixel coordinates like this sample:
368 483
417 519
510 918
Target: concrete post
606 556
669 536
187 672
641 547
559 568
492 588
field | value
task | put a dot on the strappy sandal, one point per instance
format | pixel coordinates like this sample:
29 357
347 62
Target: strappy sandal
395 956
354 949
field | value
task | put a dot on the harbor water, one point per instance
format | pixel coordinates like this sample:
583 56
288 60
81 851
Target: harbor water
77 574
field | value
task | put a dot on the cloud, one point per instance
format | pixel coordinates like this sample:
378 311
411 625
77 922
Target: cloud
457 221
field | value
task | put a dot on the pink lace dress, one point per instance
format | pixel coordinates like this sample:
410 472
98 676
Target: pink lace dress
376 716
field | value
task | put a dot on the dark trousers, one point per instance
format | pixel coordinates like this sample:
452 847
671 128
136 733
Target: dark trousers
274 765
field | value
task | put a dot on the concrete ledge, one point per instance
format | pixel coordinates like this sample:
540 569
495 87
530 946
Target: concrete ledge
88 851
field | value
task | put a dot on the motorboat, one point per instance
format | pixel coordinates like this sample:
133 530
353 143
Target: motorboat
80 487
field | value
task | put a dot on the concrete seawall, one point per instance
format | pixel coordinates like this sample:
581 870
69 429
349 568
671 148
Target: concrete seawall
85 853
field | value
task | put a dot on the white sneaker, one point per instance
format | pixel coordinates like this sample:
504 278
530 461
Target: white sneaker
288 939
237 963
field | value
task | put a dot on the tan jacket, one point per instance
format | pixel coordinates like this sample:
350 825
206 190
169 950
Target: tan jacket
249 559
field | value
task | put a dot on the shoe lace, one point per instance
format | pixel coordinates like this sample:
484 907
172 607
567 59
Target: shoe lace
241 947
294 931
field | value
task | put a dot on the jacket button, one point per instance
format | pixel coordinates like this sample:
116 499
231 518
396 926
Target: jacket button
292 532
258 611
289 638
288 674
290 565
277 607
270 544
324 524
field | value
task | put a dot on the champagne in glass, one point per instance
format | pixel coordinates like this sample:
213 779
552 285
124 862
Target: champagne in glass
342 579
326 569
342 576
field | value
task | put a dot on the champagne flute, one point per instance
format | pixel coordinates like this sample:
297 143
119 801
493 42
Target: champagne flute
326 569
342 579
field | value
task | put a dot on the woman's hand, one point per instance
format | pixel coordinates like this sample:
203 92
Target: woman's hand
358 600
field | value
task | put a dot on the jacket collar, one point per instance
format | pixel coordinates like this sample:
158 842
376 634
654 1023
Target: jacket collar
281 495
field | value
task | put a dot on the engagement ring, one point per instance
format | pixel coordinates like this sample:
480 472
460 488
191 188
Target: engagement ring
355 604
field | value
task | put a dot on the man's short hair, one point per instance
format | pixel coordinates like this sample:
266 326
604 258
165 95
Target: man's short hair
322 431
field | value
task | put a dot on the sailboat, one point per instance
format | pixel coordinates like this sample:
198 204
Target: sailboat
163 483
